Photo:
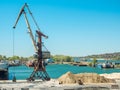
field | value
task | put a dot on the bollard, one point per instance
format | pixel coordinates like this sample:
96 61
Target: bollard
14 79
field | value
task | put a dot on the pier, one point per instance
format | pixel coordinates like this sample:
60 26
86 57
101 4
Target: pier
80 63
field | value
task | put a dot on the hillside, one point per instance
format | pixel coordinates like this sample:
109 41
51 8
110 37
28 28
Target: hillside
113 56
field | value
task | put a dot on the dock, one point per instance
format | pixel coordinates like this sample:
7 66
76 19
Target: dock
80 63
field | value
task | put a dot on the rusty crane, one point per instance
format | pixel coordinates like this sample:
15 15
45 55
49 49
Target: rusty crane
39 68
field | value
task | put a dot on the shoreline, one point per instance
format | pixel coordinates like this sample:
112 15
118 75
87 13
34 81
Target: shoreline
115 75
53 84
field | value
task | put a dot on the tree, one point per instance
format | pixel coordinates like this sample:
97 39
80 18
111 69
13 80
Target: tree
4 57
14 58
0 57
94 61
68 59
61 58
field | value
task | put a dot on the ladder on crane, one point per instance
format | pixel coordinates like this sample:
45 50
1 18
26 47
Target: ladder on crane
39 68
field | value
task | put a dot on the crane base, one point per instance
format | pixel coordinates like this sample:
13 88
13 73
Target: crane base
39 75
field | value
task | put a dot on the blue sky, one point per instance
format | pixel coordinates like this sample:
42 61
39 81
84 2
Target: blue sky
74 27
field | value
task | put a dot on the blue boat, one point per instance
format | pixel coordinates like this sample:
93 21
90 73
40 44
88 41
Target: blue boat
106 65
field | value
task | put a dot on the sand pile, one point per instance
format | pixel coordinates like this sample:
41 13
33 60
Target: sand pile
69 78
93 78
82 78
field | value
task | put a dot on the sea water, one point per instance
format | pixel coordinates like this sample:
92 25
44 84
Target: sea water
56 70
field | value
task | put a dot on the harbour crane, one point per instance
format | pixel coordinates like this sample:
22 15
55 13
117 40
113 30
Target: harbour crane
39 67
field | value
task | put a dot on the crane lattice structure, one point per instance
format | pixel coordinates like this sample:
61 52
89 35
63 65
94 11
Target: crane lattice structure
39 68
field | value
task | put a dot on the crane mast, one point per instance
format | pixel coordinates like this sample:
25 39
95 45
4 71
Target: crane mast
39 68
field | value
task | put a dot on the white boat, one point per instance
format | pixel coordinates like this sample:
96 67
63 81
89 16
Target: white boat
14 63
4 65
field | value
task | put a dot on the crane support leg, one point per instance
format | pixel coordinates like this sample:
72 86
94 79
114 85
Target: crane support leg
39 75
39 70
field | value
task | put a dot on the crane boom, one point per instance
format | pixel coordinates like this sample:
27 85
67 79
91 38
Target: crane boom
30 32
20 13
28 26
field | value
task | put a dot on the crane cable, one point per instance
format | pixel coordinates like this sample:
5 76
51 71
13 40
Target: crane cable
13 42
33 17
14 77
44 47
35 24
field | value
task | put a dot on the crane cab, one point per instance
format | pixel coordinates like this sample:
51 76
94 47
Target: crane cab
45 54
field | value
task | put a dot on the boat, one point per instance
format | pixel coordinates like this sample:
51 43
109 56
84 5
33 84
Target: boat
14 63
30 63
4 70
4 65
33 63
106 65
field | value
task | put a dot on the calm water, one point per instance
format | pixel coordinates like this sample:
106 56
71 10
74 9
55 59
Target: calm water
56 70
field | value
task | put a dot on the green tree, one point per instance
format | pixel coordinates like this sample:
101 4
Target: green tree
4 57
14 58
68 59
61 58
94 61
1 57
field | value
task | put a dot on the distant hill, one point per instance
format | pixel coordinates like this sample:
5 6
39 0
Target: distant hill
113 56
